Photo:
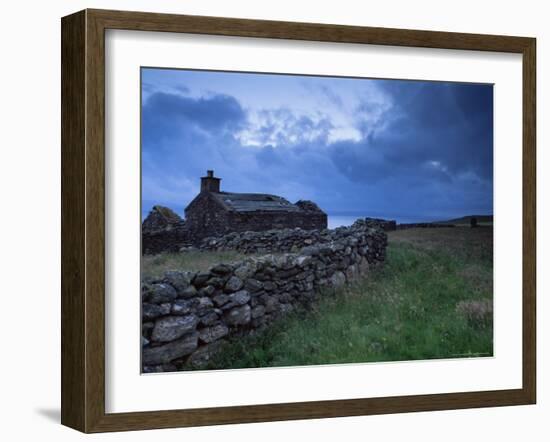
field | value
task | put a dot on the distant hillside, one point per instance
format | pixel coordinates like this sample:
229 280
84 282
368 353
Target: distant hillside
485 219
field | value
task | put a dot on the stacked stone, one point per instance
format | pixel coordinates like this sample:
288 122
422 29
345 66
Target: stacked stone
171 238
163 231
269 241
188 316
284 240
385 224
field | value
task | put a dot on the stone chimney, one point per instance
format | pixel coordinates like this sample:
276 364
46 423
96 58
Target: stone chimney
210 183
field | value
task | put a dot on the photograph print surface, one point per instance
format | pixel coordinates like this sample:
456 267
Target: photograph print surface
294 220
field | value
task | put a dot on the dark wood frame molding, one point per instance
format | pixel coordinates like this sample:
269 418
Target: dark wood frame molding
83 217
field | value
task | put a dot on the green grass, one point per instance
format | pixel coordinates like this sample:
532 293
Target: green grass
404 311
154 266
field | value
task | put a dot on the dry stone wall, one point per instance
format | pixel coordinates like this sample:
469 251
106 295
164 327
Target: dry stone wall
283 240
187 317
388 225
423 226
269 241
170 239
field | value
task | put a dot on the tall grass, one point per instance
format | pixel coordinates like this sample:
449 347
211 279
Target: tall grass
404 311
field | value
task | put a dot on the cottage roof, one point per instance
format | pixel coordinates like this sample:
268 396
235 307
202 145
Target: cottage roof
252 202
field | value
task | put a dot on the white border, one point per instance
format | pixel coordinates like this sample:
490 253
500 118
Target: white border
127 390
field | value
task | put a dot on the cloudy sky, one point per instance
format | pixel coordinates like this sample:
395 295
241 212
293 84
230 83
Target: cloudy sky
408 150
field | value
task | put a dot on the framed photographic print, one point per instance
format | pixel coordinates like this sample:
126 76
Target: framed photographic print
270 220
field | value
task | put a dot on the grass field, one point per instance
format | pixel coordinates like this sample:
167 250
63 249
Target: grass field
432 299
154 266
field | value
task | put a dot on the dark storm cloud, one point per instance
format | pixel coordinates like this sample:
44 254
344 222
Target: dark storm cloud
451 123
214 114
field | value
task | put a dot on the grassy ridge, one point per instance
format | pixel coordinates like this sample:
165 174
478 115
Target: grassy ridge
482 220
405 311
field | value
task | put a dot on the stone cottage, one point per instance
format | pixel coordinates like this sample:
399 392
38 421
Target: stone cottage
215 213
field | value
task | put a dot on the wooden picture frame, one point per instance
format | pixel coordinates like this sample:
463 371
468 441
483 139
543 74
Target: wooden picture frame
83 220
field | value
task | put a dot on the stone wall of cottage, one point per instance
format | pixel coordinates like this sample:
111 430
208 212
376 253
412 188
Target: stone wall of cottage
187 317
205 218
261 221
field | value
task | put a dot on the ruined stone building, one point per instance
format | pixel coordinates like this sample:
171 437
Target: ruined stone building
163 231
214 212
